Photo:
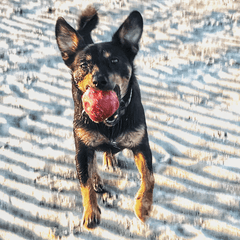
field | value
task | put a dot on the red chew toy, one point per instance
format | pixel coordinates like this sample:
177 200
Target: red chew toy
100 105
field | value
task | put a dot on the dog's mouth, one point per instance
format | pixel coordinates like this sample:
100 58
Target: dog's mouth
124 102
113 120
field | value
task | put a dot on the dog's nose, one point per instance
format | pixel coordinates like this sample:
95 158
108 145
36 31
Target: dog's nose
100 82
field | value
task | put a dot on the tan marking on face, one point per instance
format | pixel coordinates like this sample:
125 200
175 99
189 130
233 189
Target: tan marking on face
130 70
87 80
82 85
88 57
90 138
144 197
95 69
106 54
131 139
121 82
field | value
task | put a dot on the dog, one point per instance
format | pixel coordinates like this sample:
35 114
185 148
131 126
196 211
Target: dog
106 66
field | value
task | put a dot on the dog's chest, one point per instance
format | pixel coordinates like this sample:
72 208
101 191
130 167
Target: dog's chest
95 139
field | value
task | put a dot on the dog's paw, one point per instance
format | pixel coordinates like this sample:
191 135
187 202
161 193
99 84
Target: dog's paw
98 184
109 199
110 161
91 217
143 205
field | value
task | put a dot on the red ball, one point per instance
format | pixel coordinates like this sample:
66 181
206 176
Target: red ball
100 105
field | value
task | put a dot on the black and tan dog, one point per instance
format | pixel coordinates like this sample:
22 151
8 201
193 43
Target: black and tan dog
107 66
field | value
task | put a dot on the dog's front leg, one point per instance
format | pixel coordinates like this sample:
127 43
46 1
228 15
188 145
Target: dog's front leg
85 168
144 197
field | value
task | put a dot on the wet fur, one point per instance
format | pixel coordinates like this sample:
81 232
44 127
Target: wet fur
106 66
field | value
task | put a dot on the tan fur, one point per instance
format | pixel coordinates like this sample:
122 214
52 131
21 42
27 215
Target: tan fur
87 80
90 138
75 41
72 45
91 209
95 69
109 160
106 54
88 57
144 197
82 85
121 82
131 139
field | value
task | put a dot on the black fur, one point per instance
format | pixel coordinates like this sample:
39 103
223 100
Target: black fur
87 21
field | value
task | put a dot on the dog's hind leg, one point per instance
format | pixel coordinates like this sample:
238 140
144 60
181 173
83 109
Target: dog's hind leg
109 161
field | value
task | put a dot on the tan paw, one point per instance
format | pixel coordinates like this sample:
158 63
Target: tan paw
143 206
109 161
91 217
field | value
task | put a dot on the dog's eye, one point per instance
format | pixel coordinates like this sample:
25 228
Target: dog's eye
114 60
84 66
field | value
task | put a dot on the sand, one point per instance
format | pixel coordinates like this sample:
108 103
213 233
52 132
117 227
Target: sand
188 69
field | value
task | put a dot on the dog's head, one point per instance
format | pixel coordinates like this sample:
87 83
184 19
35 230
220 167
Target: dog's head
103 65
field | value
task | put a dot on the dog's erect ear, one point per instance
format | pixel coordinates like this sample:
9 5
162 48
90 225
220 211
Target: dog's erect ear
130 32
68 40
